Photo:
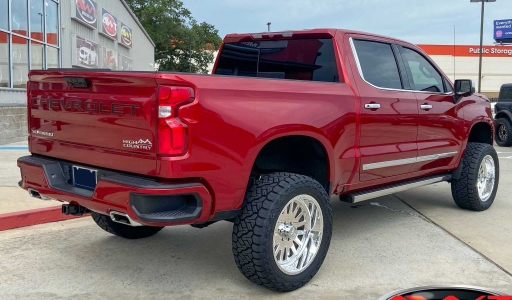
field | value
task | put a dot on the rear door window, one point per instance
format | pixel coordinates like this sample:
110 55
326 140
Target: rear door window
300 59
378 64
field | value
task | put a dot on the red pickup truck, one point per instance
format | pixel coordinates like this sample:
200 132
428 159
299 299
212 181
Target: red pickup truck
287 119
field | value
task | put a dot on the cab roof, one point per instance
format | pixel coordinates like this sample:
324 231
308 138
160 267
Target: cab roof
294 34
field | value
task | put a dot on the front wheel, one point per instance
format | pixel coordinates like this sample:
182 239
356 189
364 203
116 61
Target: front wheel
478 183
282 236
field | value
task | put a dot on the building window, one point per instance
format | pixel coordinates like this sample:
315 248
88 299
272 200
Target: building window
29 39
4 60
3 14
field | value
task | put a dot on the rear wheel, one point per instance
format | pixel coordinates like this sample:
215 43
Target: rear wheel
282 236
121 230
503 132
478 183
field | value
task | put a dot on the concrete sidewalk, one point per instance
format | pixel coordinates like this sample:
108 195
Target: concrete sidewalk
15 199
17 208
374 250
9 171
488 232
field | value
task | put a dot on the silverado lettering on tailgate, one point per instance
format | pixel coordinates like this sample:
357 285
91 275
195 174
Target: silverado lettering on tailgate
87 106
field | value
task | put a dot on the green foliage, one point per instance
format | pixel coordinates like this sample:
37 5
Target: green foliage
181 44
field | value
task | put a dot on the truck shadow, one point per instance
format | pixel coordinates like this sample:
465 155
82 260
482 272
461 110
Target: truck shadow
185 257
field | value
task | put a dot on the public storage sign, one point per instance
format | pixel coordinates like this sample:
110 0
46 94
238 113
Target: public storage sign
503 30
467 50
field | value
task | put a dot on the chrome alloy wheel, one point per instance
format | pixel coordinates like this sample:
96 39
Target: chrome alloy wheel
298 234
502 132
486 178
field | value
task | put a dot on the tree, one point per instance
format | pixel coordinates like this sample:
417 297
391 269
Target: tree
181 43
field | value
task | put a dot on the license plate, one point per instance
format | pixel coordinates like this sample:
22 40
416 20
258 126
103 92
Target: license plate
85 178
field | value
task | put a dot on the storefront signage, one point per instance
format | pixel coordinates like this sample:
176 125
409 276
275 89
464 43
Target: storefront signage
491 50
86 53
86 12
467 50
109 25
503 30
126 35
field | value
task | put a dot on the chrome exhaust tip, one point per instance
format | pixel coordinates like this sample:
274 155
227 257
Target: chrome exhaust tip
35 194
123 218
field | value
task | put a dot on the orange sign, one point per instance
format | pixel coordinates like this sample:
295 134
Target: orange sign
467 50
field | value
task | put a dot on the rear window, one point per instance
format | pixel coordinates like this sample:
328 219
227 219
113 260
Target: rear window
378 64
506 93
302 59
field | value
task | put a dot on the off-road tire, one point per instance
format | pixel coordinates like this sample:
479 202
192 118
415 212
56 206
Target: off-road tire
124 231
253 230
506 142
464 189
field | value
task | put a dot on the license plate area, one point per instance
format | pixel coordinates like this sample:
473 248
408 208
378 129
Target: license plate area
85 178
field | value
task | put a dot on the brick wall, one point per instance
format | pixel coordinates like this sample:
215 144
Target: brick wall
13 123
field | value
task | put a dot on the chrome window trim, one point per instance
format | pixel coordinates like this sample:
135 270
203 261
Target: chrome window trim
359 68
407 161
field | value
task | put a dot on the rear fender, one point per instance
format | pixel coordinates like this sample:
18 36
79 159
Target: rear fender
284 130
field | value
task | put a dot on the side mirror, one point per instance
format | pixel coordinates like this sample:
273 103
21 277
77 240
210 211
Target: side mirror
464 87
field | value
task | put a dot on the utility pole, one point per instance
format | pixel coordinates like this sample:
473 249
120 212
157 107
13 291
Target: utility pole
481 41
454 56
481 48
268 25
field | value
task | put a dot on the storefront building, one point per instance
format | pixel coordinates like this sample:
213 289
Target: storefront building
43 34
462 61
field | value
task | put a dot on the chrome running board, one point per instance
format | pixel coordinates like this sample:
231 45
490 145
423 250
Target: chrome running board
393 188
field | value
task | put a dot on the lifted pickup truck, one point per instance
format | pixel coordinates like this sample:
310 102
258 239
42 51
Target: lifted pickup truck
287 119
503 116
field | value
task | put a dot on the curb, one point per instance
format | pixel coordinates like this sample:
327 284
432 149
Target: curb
33 217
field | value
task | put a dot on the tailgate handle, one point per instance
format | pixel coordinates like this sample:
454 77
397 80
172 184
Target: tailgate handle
77 82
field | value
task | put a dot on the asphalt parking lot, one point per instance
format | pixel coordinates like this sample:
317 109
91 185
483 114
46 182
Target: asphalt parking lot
414 238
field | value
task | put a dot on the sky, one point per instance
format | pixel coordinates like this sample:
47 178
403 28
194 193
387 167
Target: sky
416 21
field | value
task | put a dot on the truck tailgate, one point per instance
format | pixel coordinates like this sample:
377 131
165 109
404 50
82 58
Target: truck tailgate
106 119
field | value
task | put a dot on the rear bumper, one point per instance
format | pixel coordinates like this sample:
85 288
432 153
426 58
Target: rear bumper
144 200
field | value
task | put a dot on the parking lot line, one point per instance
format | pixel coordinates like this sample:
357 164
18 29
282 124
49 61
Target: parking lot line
13 147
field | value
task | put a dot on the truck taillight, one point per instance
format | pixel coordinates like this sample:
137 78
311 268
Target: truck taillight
172 132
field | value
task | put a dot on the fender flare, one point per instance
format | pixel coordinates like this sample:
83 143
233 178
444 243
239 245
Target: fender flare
300 130
465 143
502 114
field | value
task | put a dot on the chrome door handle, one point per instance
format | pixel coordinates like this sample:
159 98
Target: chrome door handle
426 106
372 106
